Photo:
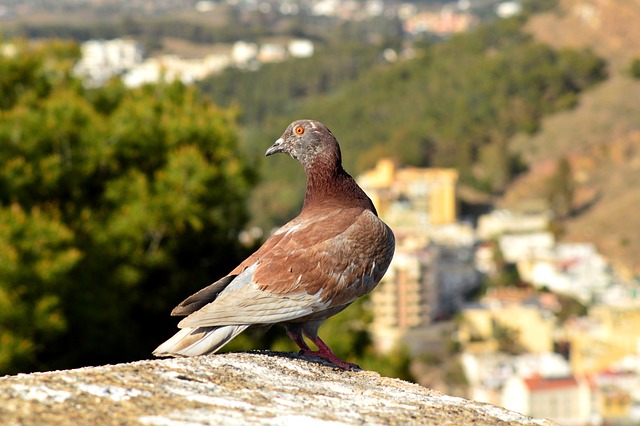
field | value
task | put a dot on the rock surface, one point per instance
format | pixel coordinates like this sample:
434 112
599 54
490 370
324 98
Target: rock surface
257 388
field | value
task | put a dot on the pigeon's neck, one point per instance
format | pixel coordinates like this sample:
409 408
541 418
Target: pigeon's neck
331 183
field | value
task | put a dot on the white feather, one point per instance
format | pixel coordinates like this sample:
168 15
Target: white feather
204 342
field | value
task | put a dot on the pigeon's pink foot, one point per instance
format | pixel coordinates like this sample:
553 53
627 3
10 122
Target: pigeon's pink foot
295 333
332 358
327 354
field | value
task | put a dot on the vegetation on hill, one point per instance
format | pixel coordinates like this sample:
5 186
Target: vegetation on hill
218 29
599 138
456 104
278 88
224 24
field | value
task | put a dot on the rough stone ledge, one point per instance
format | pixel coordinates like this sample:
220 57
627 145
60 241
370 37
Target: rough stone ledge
255 388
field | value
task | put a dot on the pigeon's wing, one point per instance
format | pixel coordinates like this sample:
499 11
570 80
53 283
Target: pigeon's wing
243 303
317 262
202 297
338 269
208 294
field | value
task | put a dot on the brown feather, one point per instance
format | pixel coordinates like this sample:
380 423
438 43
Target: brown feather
335 251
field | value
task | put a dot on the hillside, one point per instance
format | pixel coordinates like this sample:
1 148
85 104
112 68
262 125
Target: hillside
600 137
427 110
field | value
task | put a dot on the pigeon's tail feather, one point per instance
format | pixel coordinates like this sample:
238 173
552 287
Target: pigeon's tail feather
198 341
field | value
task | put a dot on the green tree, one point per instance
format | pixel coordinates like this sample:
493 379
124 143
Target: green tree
115 204
561 189
36 255
634 68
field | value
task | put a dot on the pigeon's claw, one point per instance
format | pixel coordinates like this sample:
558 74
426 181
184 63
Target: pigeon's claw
327 354
332 358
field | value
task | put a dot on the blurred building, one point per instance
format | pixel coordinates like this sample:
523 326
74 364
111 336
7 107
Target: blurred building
444 22
433 268
170 68
103 59
619 396
420 287
500 222
517 248
607 335
575 269
244 55
509 319
300 48
412 198
488 372
566 400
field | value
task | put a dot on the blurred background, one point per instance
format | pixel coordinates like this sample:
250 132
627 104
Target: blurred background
499 139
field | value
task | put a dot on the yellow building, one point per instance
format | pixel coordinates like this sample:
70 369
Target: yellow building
411 196
610 334
521 326
433 267
403 301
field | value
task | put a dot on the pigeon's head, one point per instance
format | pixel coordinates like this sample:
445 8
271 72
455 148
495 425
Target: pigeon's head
308 141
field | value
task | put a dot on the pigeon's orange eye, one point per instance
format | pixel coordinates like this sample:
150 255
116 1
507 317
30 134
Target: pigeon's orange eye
299 130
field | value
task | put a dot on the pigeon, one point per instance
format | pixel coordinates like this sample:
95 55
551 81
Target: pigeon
335 251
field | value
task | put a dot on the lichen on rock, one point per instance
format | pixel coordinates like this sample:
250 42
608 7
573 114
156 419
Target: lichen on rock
257 388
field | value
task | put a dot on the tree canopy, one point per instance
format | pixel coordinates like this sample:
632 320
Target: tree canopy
114 205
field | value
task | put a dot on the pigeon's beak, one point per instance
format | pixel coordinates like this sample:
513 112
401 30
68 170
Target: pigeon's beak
278 146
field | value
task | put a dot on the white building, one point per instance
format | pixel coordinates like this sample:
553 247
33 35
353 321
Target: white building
507 9
300 48
575 269
272 52
519 247
498 222
487 373
566 400
171 68
244 55
103 59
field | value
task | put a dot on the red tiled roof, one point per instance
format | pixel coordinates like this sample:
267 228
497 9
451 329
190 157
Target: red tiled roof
537 383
